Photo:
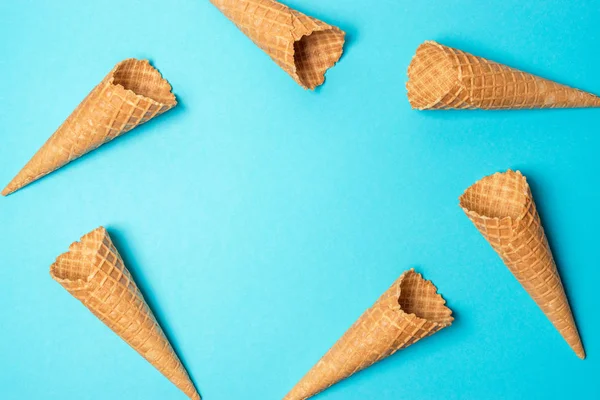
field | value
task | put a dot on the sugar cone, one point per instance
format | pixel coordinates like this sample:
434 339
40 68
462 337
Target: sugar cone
440 77
502 208
406 313
93 272
132 93
303 46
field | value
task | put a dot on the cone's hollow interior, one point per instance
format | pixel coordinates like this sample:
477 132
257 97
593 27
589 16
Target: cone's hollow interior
432 75
419 296
313 55
497 196
144 80
77 263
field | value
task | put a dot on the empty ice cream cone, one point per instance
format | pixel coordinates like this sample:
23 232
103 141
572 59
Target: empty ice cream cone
440 77
303 46
407 312
132 93
502 208
93 272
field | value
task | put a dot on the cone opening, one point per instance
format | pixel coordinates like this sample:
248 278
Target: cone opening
77 264
144 80
315 53
419 296
502 195
431 76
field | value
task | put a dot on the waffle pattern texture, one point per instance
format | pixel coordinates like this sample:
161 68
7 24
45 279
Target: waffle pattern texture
132 93
93 272
407 312
502 208
303 46
440 77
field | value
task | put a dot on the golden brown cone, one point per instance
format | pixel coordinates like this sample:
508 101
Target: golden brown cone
502 208
303 46
407 312
440 77
93 272
132 93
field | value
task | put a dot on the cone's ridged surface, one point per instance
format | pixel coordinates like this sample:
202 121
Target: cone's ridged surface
303 46
502 208
93 272
408 311
131 94
440 77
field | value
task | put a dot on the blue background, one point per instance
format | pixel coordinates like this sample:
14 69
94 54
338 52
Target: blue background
261 219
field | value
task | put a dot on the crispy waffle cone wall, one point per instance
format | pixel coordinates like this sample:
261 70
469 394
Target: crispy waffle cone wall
502 208
303 46
440 77
93 272
132 93
406 313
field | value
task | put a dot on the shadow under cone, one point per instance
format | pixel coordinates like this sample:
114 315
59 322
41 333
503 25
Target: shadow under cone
134 92
440 77
93 272
303 46
502 208
407 312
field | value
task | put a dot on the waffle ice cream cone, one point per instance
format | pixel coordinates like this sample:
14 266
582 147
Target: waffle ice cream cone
132 93
440 77
93 272
502 208
303 46
407 312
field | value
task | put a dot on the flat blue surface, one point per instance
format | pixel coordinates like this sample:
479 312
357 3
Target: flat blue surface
261 219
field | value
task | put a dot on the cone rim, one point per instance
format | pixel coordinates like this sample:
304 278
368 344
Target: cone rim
82 283
475 214
409 73
414 315
318 29
172 96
